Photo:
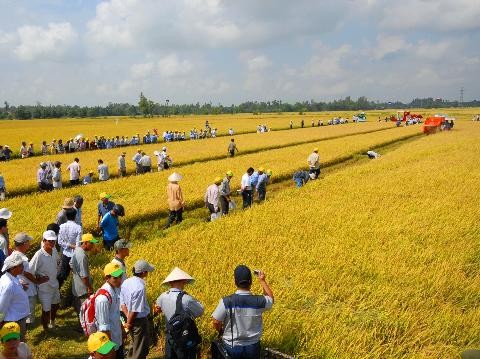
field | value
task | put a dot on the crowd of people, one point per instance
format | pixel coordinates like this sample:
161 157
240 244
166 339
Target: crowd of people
118 308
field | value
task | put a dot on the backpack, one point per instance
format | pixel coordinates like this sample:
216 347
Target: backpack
182 329
87 312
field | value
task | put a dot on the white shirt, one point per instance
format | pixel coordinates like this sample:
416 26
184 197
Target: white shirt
74 169
103 172
57 174
145 161
137 157
245 184
14 303
313 160
32 289
44 264
134 296
107 314
168 303
70 233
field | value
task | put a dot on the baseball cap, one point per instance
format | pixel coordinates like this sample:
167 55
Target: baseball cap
100 343
141 266
88 237
113 269
49 235
5 213
242 275
217 180
121 244
261 169
22 238
10 331
229 173
315 149
104 195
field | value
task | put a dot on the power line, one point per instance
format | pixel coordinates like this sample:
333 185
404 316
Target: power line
462 91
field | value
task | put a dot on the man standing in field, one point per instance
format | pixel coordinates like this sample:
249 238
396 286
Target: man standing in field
314 162
225 193
261 187
57 175
211 197
109 226
102 171
44 264
232 147
122 166
238 317
134 301
74 169
122 251
146 163
175 200
69 238
246 188
136 159
104 206
82 280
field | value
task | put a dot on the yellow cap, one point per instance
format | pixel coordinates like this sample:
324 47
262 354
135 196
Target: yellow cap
100 343
229 173
88 237
104 195
261 169
9 331
113 269
315 149
217 180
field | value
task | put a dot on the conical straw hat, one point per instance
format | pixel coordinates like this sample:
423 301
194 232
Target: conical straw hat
177 274
174 177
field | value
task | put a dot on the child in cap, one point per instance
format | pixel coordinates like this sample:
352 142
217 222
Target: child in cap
100 346
12 346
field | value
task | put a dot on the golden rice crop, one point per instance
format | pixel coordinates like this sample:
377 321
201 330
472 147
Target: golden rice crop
377 260
20 174
145 195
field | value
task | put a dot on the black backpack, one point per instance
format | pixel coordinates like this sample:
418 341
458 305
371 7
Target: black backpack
182 328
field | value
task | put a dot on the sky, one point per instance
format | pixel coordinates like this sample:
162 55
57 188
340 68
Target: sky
89 52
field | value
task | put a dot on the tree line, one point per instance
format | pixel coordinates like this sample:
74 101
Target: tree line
149 108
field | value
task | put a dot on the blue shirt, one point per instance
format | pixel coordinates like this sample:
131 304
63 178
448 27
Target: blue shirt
103 210
254 179
109 225
262 182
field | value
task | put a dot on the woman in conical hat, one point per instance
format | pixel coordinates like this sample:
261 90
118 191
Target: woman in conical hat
175 199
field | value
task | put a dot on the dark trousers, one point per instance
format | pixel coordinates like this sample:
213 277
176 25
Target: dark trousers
140 339
224 204
244 352
175 216
316 171
146 169
120 354
232 153
64 270
262 192
247 198
108 245
75 182
173 353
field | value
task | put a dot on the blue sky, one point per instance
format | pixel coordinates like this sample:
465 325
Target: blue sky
91 52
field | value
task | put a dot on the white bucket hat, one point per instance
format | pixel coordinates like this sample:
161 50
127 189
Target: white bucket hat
156 153
178 274
5 213
12 260
174 177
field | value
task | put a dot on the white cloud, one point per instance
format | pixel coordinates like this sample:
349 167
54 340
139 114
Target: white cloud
327 63
258 63
172 66
51 43
388 45
141 71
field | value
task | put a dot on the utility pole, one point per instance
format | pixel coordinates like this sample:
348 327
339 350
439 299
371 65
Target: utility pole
462 92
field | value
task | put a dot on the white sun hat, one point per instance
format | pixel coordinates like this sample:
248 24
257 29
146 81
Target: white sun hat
178 274
5 213
156 153
174 177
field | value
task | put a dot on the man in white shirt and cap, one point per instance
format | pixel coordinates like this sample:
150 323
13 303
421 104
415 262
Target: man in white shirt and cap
133 298
146 163
44 264
169 303
5 215
211 198
68 238
107 307
74 169
246 188
14 305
